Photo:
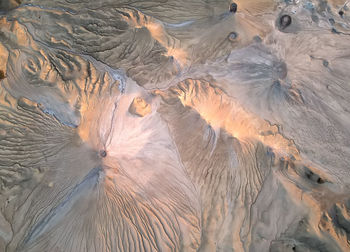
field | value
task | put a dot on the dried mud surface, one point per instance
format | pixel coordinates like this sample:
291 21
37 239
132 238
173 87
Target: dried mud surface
173 125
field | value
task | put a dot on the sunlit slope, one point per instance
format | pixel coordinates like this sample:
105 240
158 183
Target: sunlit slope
240 163
174 126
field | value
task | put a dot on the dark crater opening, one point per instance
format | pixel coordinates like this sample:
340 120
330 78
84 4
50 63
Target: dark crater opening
2 75
285 21
103 153
233 7
314 177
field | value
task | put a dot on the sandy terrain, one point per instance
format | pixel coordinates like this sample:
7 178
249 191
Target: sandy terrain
174 125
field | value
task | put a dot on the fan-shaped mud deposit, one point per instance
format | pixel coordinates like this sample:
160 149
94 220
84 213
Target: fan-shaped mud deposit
174 125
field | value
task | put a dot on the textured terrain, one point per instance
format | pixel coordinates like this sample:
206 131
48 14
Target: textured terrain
174 125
